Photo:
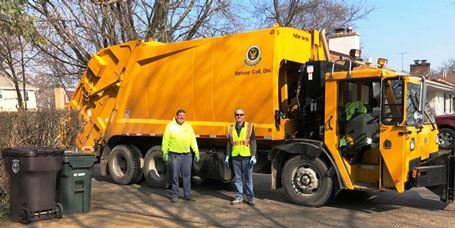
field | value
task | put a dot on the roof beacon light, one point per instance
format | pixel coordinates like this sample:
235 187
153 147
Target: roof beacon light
382 62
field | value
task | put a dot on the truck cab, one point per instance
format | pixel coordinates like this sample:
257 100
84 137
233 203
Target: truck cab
379 134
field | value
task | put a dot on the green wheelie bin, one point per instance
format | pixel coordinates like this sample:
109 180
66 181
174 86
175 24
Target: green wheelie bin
74 183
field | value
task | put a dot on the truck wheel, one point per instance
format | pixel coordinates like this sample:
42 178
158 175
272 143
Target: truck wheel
141 162
155 169
306 181
446 138
125 164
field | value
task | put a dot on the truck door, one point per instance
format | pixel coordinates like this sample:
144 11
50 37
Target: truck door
393 136
420 133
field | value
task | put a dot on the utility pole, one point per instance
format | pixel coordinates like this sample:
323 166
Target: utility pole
402 54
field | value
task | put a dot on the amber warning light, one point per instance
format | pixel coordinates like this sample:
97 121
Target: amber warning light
382 62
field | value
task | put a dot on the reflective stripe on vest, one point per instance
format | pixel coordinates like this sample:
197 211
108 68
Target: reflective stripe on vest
240 143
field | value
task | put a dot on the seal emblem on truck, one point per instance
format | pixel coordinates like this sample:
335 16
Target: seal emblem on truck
253 56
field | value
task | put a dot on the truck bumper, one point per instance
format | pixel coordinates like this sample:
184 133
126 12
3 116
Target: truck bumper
439 177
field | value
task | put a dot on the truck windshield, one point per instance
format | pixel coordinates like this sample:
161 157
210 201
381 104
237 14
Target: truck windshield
413 102
392 101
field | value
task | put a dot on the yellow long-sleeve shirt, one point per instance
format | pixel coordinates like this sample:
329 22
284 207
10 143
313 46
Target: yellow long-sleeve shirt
179 138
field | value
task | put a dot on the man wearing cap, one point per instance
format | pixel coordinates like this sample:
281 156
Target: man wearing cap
241 151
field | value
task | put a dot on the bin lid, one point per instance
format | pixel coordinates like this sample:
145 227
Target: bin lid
77 160
31 152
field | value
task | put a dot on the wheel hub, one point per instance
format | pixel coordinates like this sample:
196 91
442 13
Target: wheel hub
445 139
160 166
123 164
306 180
157 168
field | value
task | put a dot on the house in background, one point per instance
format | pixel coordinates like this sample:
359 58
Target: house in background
8 96
440 88
62 97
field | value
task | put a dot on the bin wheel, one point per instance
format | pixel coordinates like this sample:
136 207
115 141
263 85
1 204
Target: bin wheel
25 216
125 164
156 171
59 210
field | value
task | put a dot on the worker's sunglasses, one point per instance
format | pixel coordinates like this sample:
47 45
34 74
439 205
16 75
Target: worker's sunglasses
239 114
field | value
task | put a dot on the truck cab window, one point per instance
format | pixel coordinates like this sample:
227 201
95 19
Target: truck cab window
392 101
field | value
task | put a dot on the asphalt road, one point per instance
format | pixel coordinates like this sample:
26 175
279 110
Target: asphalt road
138 205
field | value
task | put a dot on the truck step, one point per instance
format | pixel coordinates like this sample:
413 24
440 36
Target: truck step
366 186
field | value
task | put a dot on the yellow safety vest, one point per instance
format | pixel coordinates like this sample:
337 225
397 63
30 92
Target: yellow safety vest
178 138
240 143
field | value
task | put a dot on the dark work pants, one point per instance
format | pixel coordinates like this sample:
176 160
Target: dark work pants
181 166
243 172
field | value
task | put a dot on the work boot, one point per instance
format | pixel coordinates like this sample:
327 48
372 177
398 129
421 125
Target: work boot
236 201
191 199
173 200
251 203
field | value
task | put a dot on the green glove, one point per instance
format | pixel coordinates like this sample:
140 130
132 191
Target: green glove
196 157
165 157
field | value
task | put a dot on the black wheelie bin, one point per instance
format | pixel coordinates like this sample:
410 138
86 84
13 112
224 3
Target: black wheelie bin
32 182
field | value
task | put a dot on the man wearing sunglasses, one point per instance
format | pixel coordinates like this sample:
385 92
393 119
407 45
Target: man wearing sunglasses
241 151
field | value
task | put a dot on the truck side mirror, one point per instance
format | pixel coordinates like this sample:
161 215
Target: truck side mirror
423 95
418 116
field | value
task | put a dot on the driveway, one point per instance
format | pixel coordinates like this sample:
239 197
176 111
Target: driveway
138 205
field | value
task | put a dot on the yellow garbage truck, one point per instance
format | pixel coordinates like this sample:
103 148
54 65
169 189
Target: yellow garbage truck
320 126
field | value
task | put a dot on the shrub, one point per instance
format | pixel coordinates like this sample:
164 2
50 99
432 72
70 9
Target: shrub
49 128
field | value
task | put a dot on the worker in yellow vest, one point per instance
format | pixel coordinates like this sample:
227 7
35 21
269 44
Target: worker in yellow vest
241 151
178 138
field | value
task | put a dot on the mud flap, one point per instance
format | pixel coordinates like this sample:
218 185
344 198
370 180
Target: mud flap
104 171
450 178
211 166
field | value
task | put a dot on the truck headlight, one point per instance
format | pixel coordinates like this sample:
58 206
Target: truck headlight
437 139
412 145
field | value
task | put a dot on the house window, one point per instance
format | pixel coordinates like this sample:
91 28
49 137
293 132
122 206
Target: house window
1 94
26 96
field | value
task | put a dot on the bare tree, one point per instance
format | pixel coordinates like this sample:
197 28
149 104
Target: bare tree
311 14
16 53
448 67
75 29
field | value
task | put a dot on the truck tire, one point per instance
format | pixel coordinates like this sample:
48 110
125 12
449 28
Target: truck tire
141 162
125 164
306 181
155 170
446 138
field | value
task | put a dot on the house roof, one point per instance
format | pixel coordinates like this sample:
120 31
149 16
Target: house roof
6 83
442 83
